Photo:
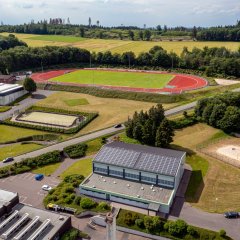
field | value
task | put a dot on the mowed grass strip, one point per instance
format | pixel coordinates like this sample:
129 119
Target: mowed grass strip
82 167
111 78
47 170
9 133
17 149
76 102
57 38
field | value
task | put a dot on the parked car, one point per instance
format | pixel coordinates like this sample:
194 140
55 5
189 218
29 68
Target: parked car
118 125
39 177
9 159
46 188
231 214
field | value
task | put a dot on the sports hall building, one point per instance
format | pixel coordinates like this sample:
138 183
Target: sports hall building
137 175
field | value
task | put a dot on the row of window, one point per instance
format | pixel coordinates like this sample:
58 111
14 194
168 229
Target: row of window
133 176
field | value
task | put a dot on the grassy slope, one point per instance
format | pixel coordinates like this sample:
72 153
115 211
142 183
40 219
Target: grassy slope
82 167
140 80
47 170
76 102
9 133
221 180
111 111
118 46
17 149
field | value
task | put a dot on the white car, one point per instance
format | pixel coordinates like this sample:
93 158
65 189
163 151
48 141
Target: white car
46 188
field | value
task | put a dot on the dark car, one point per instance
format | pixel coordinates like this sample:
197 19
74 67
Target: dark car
118 125
39 177
231 214
9 159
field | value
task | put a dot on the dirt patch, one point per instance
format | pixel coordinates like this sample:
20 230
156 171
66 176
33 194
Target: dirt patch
226 82
226 150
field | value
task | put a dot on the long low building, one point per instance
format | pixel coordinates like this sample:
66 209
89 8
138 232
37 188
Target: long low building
22 222
141 176
10 92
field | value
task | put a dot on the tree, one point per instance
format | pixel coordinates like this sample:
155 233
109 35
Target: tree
148 135
164 135
87 203
147 35
98 23
131 35
89 22
148 223
194 33
140 34
178 228
159 29
82 31
29 85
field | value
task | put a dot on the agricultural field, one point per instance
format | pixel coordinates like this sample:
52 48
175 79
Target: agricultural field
111 111
216 179
116 46
114 78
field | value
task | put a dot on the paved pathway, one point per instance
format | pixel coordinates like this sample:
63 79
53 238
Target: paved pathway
26 103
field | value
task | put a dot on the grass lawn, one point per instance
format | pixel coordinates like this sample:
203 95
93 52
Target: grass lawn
47 170
126 139
220 180
111 111
17 149
82 167
110 78
115 46
9 133
4 108
76 102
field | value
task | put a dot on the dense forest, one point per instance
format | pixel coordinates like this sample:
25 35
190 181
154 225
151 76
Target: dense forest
211 61
10 42
222 111
58 26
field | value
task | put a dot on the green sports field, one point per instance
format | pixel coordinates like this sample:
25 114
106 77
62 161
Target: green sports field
111 78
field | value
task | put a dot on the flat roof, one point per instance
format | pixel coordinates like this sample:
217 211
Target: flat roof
6 197
8 87
127 188
57 220
140 157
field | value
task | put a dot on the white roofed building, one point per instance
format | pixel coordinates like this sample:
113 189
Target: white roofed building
10 92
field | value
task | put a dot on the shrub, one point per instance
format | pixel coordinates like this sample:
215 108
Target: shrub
103 206
191 231
148 223
177 228
222 233
69 189
77 200
77 150
129 219
139 222
87 203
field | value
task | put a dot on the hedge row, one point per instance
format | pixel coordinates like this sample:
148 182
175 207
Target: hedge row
183 122
76 151
166 228
30 164
108 93
88 118
45 137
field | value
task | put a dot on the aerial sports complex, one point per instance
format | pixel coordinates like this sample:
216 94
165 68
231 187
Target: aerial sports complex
122 79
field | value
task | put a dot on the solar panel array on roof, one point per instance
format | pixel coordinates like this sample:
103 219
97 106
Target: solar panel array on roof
156 163
149 159
117 156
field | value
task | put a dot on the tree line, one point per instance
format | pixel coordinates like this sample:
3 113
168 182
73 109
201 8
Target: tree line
221 111
10 42
58 26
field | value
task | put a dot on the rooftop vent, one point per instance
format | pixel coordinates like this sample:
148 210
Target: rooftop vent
151 187
128 185
138 196
154 190
94 186
114 182
160 189
142 188
101 176
104 180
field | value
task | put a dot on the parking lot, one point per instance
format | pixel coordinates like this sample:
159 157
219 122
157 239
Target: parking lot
28 188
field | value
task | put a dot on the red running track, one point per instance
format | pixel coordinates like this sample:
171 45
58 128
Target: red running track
179 84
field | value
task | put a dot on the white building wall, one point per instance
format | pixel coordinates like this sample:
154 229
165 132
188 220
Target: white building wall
5 100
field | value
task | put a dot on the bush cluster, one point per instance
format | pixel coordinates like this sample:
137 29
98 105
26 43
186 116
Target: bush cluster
64 194
76 151
30 163
185 121
171 229
150 128
221 111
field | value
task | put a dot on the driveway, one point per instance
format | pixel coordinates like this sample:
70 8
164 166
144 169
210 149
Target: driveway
26 103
